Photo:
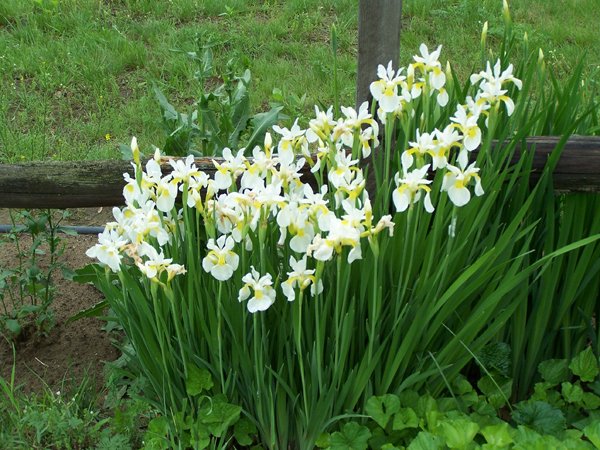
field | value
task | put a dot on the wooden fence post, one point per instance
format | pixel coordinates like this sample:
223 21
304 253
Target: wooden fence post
378 40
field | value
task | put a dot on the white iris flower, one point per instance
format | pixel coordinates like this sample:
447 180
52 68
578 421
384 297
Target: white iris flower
108 249
410 187
456 181
385 90
262 287
300 278
221 261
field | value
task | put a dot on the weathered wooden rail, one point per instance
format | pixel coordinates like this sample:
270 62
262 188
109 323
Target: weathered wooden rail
100 183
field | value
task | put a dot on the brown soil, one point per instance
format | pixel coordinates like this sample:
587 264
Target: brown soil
69 351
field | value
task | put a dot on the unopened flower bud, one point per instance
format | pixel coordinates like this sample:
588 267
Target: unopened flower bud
268 144
135 150
484 35
506 12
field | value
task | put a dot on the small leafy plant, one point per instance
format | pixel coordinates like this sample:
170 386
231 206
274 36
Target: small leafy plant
222 116
27 290
570 387
217 422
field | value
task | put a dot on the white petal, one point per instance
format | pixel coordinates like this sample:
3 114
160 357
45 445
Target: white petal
475 78
288 290
518 83
300 243
442 98
401 200
472 142
323 253
355 253
222 272
407 160
316 167
244 293
478 189
165 203
463 158
255 305
460 196
438 78
315 290
232 260
377 89
207 264
510 105
428 205
448 180
389 101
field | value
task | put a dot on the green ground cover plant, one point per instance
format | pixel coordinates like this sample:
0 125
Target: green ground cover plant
45 420
77 76
559 414
81 415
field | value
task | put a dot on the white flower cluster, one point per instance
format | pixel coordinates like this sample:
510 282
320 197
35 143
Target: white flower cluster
246 195
247 198
397 90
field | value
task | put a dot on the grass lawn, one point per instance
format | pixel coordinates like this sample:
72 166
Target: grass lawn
76 75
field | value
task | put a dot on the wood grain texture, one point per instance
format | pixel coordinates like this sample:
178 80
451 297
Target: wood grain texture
74 184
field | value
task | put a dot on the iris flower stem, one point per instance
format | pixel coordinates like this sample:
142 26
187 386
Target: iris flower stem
161 337
190 259
492 122
449 247
176 315
193 311
258 329
299 353
338 304
257 364
374 306
389 130
405 256
219 334
319 340
413 219
426 108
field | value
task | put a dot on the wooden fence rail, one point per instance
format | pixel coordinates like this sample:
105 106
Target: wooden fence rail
100 183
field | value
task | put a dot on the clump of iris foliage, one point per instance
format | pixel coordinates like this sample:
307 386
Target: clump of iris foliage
304 299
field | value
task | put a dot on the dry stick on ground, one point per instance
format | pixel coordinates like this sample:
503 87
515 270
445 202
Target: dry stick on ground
100 183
